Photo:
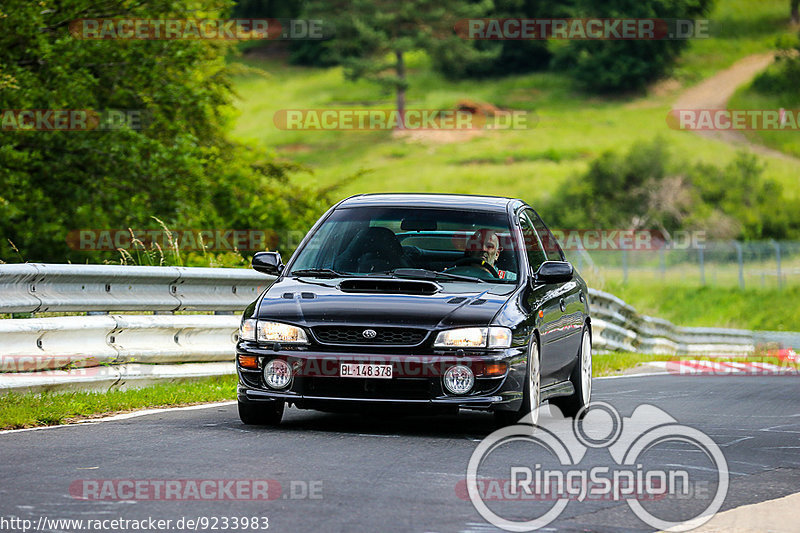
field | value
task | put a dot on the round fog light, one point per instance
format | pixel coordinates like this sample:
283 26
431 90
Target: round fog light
277 373
459 379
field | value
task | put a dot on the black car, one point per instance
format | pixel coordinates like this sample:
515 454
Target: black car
432 301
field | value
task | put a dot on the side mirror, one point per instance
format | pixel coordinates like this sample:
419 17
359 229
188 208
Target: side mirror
268 263
554 272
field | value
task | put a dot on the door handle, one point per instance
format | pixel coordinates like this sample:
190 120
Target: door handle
562 305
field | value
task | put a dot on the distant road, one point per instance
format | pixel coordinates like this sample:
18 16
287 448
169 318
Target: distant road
714 93
379 473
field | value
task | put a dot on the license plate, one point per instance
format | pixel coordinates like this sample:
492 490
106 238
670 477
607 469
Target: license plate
352 370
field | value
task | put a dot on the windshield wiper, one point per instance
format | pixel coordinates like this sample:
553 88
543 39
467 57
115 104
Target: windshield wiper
422 273
318 272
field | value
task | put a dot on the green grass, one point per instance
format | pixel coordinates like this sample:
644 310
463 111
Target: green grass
572 129
609 364
54 408
713 306
784 141
737 28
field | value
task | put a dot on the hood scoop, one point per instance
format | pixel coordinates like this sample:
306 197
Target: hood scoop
388 286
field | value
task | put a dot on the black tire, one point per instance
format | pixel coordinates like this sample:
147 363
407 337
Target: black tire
531 388
258 414
572 405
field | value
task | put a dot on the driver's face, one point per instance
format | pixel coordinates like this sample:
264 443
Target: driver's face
491 249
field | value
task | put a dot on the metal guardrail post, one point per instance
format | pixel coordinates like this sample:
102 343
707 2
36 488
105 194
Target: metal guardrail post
701 259
624 266
777 247
740 261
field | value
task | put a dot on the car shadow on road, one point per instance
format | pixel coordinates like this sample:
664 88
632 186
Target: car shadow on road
467 424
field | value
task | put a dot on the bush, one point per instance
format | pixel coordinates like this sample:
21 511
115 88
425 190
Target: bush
782 78
650 188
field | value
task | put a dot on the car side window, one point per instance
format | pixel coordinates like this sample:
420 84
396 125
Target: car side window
533 246
551 247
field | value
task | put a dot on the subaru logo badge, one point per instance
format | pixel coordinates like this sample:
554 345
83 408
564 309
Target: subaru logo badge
369 333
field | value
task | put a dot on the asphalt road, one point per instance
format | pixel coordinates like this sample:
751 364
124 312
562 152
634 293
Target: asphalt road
383 473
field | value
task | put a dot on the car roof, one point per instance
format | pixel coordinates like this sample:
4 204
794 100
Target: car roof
456 201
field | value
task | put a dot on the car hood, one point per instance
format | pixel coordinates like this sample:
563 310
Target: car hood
312 302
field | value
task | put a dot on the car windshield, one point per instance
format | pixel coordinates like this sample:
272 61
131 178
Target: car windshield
445 244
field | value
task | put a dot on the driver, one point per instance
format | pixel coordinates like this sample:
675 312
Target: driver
484 247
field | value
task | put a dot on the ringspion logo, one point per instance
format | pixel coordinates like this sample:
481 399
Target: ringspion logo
522 477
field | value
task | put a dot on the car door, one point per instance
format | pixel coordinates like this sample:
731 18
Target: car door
570 303
543 303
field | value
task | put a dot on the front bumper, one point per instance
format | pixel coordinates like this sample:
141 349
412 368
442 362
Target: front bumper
416 380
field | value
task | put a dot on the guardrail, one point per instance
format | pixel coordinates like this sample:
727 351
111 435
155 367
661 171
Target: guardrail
42 287
617 326
116 349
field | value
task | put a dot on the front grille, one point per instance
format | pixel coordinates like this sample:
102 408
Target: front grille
383 336
388 389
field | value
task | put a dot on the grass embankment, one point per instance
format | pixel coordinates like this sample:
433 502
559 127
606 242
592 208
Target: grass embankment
608 364
714 306
572 129
784 141
55 408
617 362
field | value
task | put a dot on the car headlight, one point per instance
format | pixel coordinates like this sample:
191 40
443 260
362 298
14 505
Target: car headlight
278 332
262 331
492 337
247 330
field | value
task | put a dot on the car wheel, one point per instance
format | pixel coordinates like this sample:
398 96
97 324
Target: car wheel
531 393
258 414
581 379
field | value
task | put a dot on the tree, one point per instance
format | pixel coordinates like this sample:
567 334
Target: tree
504 57
374 36
795 8
179 166
624 65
